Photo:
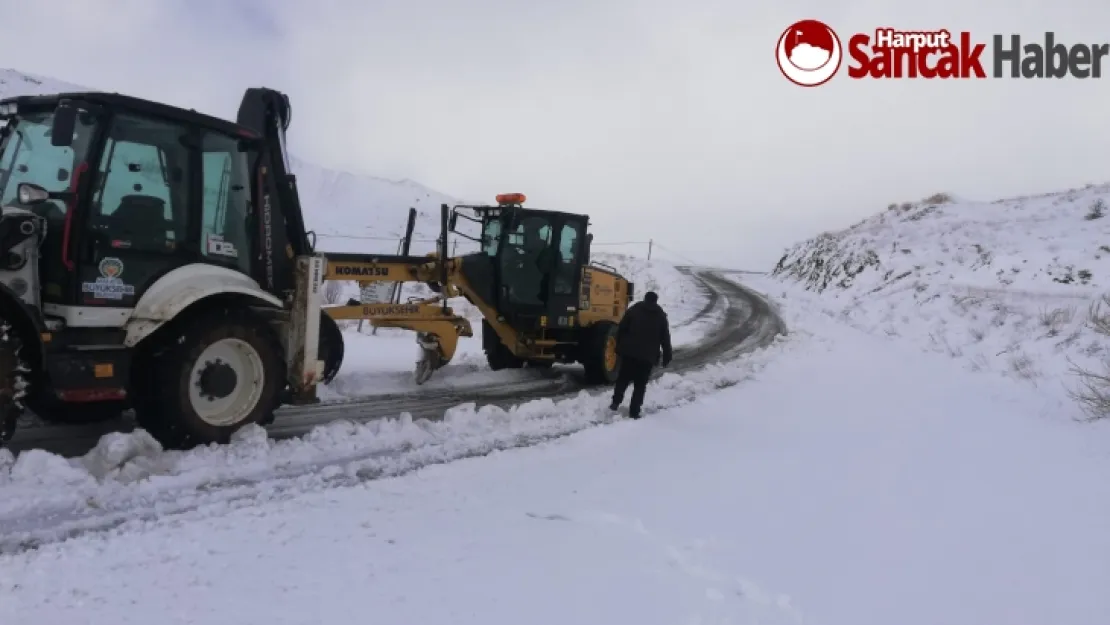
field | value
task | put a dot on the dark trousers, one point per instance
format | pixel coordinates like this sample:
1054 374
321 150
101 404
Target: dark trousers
635 372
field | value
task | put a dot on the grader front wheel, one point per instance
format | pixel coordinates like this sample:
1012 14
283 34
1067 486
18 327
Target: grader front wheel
598 353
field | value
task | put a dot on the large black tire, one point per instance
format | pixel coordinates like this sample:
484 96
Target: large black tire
330 348
13 380
598 353
497 354
501 358
198 402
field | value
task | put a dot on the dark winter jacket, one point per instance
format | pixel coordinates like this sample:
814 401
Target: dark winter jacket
643 332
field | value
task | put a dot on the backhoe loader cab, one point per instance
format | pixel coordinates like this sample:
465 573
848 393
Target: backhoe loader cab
148 257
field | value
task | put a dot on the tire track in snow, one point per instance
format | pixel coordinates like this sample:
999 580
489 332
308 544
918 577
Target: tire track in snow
748 323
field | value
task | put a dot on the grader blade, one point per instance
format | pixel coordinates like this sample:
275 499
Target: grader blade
437 328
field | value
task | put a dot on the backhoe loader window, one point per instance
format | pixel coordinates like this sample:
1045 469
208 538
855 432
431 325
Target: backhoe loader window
226 202
143 193
29 157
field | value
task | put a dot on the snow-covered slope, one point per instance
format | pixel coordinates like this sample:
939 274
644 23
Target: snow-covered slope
334 202
14 83
1006 285
341 207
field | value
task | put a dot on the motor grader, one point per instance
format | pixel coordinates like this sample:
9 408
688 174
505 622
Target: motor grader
156 258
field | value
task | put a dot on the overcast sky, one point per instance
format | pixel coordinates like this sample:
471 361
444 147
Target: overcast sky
659 119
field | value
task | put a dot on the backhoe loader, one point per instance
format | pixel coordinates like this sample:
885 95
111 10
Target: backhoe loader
156 258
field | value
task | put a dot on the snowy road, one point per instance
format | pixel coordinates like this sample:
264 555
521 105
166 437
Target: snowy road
833 478
126 479
738 313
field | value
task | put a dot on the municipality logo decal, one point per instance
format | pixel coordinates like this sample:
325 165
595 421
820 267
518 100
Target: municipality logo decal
111 267
108 285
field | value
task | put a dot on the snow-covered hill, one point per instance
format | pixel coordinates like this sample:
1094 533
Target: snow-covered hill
335 202
1013 285
14 83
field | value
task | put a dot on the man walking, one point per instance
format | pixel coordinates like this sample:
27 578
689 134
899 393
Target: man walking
642 333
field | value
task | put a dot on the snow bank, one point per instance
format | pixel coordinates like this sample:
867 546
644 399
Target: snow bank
1007 286
679 294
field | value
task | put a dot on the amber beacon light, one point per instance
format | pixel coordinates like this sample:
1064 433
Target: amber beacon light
511 198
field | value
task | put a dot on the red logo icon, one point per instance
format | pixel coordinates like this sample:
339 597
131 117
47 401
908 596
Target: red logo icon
809 53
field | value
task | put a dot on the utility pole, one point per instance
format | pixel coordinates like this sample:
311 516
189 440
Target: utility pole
650 243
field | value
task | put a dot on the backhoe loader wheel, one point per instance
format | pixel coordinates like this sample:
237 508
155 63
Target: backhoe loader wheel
598 353
223 369
13 381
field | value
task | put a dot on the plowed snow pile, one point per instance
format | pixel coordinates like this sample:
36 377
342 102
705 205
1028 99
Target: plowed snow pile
1013 285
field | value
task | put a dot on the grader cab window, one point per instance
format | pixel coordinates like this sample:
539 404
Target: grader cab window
526 260
567 270
491 236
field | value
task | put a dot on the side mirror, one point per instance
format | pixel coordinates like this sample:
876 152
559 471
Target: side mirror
65 122
586 251
31 194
